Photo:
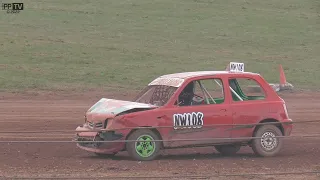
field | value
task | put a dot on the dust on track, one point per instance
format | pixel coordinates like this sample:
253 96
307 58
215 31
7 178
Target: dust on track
42 112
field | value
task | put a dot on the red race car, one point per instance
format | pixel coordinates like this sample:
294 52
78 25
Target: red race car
223 109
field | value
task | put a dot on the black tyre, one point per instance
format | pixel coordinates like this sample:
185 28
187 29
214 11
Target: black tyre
228 150
143 151
268 145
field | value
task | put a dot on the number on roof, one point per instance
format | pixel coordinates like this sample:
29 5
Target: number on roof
236 67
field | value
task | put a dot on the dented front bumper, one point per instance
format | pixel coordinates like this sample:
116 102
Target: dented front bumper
94 141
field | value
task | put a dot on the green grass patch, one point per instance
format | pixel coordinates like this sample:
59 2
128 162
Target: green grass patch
81 44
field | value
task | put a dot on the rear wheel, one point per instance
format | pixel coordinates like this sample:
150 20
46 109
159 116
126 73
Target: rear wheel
269 144
146 150
228 149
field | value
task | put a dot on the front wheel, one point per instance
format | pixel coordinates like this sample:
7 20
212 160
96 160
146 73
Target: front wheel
269 144
146 150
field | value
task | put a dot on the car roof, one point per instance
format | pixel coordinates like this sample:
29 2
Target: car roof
186 75
177 79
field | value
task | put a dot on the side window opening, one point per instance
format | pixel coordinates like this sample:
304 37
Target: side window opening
202 92
246 89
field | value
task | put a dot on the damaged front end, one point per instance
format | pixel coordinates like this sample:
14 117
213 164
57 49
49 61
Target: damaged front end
98 131
94 141
97 140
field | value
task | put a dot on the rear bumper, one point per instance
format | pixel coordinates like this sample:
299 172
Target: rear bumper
287 127
93 141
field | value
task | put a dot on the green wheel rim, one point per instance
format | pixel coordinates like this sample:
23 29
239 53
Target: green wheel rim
146 147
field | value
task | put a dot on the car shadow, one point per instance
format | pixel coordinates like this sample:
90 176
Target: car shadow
199 156
190 156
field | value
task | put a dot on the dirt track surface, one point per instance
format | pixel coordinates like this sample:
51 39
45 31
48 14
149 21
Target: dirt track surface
29 113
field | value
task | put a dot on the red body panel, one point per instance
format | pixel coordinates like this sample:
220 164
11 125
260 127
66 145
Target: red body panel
229 113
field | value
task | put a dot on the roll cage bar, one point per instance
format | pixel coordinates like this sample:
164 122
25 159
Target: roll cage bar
206 93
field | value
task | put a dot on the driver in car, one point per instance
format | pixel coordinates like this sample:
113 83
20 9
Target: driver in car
187 94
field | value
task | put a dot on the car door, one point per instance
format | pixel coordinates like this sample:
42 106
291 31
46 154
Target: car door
198 123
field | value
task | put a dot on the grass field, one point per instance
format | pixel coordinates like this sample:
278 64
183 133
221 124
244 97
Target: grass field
82 44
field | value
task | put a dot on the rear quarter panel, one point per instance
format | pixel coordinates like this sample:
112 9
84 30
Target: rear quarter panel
254 111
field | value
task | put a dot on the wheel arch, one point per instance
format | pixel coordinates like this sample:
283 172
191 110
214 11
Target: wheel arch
268 120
